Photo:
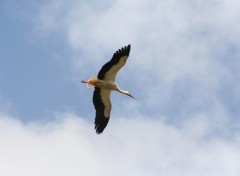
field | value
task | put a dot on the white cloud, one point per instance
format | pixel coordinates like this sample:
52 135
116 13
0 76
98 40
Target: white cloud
179 44
135 146
178 68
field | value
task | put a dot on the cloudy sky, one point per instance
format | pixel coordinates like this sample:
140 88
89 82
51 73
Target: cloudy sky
183 69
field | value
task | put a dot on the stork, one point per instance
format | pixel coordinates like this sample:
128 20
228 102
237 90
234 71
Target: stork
104 83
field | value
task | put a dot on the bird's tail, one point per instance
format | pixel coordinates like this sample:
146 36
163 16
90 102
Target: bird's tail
92 80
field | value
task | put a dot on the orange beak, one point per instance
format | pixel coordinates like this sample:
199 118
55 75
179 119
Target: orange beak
131 96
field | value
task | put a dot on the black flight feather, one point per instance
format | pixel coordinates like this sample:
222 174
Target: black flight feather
100 121
124 51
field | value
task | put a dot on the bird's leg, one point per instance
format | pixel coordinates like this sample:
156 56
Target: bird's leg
84 81
90 84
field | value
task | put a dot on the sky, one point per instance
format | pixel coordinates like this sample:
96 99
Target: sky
183 69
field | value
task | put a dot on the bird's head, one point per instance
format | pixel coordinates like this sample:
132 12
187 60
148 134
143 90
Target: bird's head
129 94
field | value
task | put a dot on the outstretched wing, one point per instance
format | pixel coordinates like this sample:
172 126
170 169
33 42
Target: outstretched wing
102 103
111 68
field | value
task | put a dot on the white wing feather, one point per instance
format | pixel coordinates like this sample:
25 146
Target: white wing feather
105 96
111 74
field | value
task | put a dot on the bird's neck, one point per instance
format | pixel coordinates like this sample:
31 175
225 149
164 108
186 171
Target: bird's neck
125 92
122 91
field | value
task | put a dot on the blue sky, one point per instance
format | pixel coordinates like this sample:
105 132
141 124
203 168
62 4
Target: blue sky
33 82
183 69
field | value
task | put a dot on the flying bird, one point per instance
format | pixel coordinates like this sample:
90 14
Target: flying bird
104 83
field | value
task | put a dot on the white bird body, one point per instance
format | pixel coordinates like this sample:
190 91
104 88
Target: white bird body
104 83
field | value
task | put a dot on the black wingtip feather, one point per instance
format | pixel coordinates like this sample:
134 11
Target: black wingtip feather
100 125
124 51
100 121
